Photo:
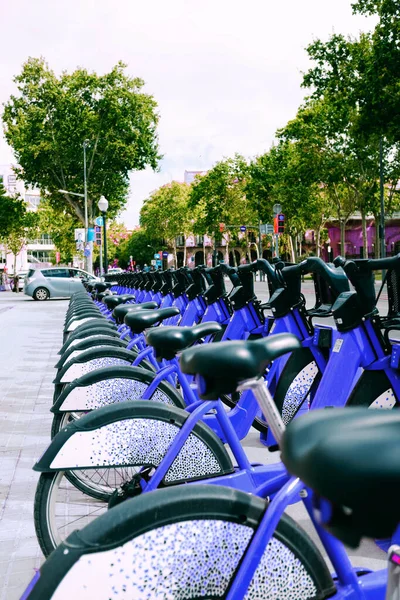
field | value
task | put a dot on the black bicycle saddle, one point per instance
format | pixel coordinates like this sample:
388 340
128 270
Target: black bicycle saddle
140 320
167 341
121 310
350 457
225 365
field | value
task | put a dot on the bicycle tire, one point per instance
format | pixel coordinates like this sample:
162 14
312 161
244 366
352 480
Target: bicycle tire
373 390
187 544
121 440
299 378
60 387
112 385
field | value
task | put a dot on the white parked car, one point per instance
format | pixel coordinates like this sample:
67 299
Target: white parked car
55 282
114 271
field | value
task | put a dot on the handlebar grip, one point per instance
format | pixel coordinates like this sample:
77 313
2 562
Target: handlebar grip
339 261
392 262
298 269
227 269
263 265
232 274
247 268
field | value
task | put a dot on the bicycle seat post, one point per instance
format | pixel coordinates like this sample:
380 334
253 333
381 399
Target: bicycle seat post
393 584
267 406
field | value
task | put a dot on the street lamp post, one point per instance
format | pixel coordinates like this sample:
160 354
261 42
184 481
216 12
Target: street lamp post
103 206
88 264
88 259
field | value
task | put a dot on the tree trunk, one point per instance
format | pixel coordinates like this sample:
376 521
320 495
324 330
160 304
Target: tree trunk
215 252
234 258
175 257
293 252
15 278
364 232
227 252
342 238
317 241
377 237
184 251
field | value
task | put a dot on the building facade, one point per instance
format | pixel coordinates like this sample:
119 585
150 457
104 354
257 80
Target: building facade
36 252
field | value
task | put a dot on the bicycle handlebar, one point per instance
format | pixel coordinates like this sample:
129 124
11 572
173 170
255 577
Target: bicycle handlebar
368 264
232 274
385 264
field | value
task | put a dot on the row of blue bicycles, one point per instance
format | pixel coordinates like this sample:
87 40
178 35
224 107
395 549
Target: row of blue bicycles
145 490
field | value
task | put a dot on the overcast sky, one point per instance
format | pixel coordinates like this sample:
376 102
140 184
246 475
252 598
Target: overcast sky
225 73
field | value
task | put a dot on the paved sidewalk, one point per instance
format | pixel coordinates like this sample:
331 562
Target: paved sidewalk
30 337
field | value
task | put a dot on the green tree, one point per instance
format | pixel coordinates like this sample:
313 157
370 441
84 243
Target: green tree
141 245
51 117
259 185
340 86
57 222
286 175
117 234
17 224
166 215
220 197
380 91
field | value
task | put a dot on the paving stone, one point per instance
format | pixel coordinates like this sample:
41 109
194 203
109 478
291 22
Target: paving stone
26 392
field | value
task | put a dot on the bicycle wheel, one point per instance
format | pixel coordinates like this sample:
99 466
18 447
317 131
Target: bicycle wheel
298 381
374 390
112 385
61 420
105 450
187 544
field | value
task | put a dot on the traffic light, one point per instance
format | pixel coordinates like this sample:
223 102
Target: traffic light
276 224
97 233
281 223
221 227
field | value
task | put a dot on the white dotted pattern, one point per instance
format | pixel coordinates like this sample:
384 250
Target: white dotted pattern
183 561
298 391
387 400
109 391
137 442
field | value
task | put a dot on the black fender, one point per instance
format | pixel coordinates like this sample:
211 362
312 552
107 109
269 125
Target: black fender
83 312
92 323
136 434
86 343
76 309
110 385
85 333
89 320
94 358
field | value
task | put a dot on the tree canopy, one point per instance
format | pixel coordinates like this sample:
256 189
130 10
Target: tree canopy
141 245
220 196
50 119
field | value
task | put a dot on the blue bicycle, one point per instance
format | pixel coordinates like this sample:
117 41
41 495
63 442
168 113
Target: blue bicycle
208 541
